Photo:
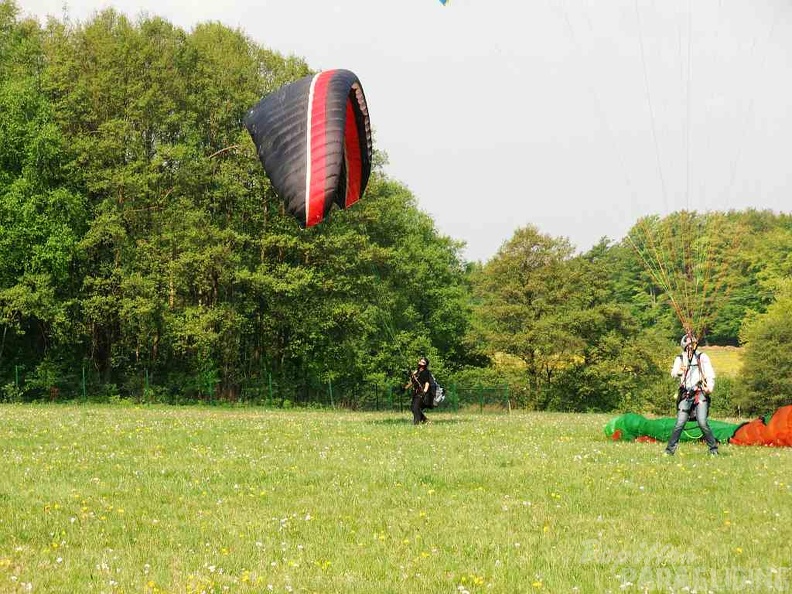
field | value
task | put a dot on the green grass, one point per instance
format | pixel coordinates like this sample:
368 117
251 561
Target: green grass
727 361
155 499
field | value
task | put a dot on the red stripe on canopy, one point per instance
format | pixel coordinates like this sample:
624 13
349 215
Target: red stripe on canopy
354 163
318 107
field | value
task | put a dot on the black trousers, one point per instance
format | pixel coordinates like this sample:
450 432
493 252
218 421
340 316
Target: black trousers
417 409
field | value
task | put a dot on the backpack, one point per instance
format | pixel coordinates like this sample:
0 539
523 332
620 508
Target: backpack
436 391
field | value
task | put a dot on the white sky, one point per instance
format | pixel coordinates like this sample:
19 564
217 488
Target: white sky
577 116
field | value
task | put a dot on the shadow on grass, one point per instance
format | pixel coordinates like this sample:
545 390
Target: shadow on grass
407 420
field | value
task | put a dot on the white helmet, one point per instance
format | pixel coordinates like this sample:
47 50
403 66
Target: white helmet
687 340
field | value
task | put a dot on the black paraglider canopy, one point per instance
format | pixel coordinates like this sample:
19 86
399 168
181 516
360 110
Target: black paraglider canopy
313 137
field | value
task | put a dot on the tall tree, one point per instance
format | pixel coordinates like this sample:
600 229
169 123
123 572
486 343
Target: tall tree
766 378
41 213
520 293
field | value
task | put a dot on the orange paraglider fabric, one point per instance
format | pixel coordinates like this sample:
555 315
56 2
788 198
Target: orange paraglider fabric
780 426
776 432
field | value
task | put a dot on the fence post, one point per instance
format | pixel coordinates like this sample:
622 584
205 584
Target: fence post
85 397
146 385
16 377
508 400
481 400
330 386
269 386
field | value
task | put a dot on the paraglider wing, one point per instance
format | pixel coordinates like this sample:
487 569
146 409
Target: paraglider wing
752 433
781 426
772 430
632 426
313 137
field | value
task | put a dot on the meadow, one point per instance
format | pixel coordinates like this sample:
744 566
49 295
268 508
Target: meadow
727 360
150 499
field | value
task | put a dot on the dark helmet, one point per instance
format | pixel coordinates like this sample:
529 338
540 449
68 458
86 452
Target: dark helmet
687 340
423 362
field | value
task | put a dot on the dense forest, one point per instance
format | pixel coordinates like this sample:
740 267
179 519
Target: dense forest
144 255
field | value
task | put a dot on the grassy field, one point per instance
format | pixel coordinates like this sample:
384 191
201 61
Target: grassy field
727 361
188 500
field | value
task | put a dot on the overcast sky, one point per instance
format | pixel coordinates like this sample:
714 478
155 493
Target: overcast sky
577 116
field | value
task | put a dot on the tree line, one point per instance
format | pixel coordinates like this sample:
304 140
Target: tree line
143 251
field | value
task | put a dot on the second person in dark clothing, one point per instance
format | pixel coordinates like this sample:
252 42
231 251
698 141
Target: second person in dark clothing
420 383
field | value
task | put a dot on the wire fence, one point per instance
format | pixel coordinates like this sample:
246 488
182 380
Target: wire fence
265 390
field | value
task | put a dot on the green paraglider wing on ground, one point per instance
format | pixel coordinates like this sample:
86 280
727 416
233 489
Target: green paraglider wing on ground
771 430
632 426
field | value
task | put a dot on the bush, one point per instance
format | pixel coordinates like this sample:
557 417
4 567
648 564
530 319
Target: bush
723 402
11 393
767 379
